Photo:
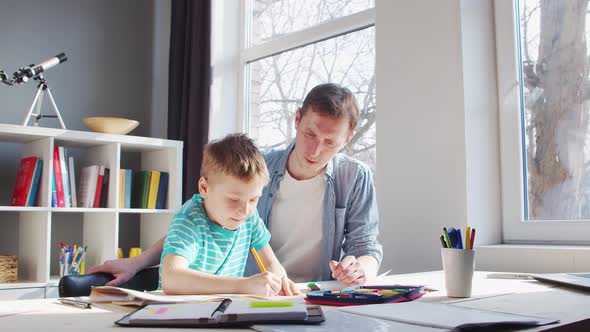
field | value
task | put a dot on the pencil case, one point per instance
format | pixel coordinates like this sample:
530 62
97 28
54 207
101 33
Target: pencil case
360 295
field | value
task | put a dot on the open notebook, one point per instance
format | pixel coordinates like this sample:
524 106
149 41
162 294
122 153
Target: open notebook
124 296
226 313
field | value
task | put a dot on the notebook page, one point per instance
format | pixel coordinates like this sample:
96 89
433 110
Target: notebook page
177 311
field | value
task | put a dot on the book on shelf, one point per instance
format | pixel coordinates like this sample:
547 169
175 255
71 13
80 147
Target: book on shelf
34 188
24 177
139 194
153 190
128 186
121 188
65 179
59 186
87 186
162 191
53 192
104 196
72 174
98 190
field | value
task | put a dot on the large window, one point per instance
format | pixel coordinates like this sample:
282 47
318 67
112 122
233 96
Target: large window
292 46
544 115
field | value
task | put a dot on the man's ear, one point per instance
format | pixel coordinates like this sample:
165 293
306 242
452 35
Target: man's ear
297 117
203 187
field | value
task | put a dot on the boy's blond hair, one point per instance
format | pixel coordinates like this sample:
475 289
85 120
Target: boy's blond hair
236 155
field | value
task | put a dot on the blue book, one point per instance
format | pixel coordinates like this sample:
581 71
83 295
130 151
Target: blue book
35 183
162 191
53 192
128 182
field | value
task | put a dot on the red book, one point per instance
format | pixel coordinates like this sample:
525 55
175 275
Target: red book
98 186
24 177
59 185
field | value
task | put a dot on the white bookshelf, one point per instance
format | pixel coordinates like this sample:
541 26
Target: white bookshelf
100 225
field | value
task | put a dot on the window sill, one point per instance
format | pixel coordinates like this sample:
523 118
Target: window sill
533 258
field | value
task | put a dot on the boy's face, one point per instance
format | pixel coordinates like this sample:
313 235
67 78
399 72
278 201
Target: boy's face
228 200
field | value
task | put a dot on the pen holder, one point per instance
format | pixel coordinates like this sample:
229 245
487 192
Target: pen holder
74 265
458 266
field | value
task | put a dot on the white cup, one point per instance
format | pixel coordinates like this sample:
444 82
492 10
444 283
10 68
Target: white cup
458 265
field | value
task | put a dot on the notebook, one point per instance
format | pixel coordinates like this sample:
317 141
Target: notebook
226 313
445 316
577 280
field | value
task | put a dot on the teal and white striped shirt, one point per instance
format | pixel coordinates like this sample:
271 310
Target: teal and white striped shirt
209 247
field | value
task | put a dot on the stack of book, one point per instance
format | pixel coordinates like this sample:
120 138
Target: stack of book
143 189
94 187
27 182
63 184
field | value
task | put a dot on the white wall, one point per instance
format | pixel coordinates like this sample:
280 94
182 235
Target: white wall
436 95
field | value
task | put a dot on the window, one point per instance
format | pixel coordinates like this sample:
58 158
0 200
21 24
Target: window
293 46
544 90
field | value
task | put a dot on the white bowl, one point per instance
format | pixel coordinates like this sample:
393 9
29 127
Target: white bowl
110 125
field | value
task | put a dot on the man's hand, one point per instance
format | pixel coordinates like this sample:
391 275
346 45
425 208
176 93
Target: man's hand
122 269
348 271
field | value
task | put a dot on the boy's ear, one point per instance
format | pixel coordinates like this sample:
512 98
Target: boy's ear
203 187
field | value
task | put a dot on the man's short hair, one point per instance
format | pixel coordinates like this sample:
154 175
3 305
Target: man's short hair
236 155
332 100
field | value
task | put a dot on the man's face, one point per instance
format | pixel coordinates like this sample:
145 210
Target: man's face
228 200
317 140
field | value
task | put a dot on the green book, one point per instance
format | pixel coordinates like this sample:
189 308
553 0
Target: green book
141 186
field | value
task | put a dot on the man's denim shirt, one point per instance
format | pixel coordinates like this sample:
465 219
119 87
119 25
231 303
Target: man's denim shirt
350 217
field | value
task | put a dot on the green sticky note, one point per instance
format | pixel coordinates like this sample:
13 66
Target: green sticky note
271 304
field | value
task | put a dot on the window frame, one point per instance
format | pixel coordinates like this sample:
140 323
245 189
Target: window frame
514 227
318 33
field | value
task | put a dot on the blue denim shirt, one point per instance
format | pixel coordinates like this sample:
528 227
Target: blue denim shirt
350 217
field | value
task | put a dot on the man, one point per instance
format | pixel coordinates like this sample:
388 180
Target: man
320 206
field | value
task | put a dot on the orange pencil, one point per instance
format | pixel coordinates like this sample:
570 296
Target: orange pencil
258 261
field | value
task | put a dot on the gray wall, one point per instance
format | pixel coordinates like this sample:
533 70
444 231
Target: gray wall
117 66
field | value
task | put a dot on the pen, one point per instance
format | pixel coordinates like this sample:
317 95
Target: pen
221 308
75 302
472 237
258 261
468 238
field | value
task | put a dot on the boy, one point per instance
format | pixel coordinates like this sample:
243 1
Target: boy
208 240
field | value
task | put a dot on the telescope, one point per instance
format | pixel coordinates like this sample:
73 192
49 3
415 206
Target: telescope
23 74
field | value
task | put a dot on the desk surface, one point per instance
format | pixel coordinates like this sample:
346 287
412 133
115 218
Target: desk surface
526 297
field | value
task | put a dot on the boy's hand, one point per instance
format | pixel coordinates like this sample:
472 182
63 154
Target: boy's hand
288 287
348 271
265 284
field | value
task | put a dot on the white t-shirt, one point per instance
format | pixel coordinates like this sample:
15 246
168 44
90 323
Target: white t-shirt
296 226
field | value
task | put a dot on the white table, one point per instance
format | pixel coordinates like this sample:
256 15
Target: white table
526 297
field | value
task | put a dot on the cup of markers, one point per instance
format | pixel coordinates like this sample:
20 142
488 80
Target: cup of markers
72 259
458 260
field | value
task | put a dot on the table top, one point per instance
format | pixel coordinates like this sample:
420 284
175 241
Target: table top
525 297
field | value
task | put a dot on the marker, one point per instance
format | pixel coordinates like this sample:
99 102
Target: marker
459 240
258 261
442 241
271 304
446 234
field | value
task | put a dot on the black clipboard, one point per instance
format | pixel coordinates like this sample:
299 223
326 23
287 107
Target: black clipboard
315 315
